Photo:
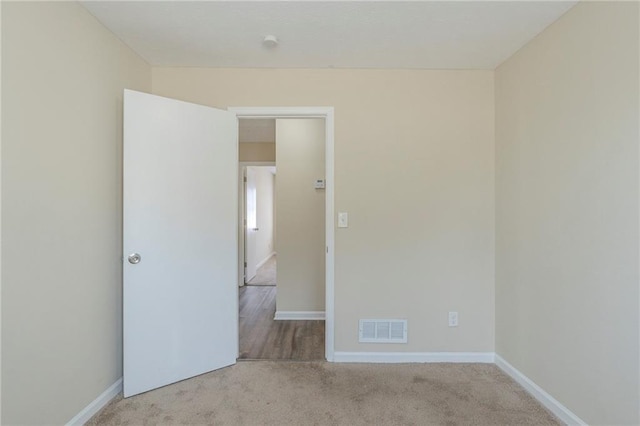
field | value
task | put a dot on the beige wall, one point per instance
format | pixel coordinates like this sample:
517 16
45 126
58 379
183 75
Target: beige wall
257 151
415 170
414 167
264 211
0 215
62 79
300 159
567 211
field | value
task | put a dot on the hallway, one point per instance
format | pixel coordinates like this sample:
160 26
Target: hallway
266 274
261 337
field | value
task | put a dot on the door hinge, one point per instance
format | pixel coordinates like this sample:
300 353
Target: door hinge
245 264
245 179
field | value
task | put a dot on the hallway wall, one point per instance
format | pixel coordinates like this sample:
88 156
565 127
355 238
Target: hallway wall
300 220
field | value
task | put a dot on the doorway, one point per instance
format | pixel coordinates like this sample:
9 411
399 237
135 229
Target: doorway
196 269
297 329
259 220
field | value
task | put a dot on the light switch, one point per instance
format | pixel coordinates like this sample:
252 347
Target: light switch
453 319
343 220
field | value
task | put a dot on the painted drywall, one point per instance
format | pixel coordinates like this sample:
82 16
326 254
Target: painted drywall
567 211
264 213
63 76
414 167
300 158
0 216
257 151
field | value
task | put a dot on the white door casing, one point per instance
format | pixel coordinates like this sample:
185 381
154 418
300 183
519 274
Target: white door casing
180 215
328 114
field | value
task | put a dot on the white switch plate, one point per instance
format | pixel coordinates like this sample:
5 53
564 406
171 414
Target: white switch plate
319 184
343 220
453 319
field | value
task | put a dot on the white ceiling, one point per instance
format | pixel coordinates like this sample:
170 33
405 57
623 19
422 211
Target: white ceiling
257 130
341 34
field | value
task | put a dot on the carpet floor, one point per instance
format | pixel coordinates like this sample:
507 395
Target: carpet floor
321 393
266 274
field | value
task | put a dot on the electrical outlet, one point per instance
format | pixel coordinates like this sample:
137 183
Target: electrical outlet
453 319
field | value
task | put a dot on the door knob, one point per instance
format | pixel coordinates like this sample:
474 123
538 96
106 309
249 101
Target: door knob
256 229
134 258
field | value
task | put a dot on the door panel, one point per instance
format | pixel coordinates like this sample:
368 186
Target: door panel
179 214
252 225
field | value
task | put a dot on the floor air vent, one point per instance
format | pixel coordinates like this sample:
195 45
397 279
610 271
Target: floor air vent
382 331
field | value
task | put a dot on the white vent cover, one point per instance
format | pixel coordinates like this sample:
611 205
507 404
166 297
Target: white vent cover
382 331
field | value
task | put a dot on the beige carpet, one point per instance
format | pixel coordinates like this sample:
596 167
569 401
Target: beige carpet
266 274
321 393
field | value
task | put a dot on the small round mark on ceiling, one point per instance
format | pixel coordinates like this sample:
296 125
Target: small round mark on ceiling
270 42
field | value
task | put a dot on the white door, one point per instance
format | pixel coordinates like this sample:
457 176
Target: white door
180 243
252 226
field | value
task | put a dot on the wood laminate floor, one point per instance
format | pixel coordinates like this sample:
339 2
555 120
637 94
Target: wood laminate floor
261 337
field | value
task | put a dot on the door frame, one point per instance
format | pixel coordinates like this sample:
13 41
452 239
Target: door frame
327 113
241 212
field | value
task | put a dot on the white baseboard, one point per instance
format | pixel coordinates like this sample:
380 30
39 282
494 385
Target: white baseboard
562 412
97 404
299 315
266 259
414 357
